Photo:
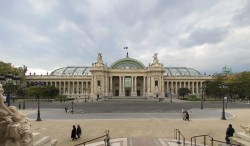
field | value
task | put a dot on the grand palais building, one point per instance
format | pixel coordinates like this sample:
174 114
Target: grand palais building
126 77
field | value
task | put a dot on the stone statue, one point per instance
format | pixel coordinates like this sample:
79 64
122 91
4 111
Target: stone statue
99 58
156 60
99 62
246 129
14 127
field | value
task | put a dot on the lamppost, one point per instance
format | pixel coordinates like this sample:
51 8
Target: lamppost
38 100
222 86
9 80
202 94
72 107
171 96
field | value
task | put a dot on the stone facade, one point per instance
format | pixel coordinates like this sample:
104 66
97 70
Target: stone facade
125 77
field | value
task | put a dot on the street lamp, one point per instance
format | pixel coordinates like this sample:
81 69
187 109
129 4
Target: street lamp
38 101
202 94
72 107
171 95
9 80
222 86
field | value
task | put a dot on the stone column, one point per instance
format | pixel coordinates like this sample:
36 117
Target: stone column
106 86
197 87
192 87
144 86
132 85
120 86
162 86
176 87
111 86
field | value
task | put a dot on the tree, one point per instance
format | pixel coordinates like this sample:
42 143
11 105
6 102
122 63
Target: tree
51 92
36 91
183 91
42 91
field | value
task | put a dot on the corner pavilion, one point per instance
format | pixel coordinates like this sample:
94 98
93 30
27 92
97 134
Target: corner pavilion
125 77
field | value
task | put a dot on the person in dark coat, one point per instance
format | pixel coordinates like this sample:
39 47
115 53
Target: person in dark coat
229 133
78 131
73 133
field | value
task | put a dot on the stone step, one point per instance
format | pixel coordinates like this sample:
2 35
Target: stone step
242 142
53 142
44 141
242 135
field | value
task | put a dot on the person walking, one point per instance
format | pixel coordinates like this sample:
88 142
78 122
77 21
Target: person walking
66 109
229 133
78 131
73 133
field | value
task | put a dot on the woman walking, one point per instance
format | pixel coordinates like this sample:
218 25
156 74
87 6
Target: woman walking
78 131
73 133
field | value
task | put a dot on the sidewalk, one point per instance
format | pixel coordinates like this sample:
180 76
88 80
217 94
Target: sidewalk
140 128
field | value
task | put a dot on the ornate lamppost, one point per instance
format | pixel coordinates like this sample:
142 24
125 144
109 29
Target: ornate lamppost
202 94
222 86
9 80
39 84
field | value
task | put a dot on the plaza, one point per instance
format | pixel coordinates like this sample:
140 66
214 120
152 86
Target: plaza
138 127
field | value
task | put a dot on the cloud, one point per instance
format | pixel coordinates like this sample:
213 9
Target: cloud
204 35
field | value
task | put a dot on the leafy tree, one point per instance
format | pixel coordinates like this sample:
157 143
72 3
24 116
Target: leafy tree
183 91
61 98
36 91
51 92
7 68
42 91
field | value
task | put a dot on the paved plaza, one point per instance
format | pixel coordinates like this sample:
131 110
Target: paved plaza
138 128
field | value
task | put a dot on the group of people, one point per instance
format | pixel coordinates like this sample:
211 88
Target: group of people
76 132
67 111
185 115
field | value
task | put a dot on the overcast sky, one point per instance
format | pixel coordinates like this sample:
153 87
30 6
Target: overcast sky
46 35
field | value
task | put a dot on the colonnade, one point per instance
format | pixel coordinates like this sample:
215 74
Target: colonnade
194 86
146 85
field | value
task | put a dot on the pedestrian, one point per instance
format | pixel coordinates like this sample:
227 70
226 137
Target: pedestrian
229 133
66 109
73 133
78 131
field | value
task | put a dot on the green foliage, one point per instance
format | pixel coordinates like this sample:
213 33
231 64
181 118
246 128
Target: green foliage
236 84
192 97
183 91
42 91
61 98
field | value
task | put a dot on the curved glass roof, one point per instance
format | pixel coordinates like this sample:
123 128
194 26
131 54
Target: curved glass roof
127 63
72 70
181 71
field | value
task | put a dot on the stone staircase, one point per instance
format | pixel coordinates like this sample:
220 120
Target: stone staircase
40 140
240 138
142 142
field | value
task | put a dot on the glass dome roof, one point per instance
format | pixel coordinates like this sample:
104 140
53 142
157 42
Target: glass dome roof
127 63
72 70
181 71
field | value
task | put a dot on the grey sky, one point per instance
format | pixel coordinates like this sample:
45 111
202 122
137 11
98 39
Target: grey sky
49 34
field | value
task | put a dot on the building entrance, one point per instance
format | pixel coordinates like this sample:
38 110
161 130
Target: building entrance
138 92
116 92
127 93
